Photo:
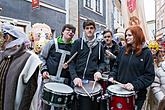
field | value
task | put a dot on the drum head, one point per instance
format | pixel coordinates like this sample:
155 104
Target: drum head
58 87
118 90
88 87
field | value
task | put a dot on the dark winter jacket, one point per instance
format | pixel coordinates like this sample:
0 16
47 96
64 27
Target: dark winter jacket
79 63
110 61
51 58
138 70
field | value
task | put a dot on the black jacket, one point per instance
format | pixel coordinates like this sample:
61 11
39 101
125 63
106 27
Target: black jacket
110 61
51 58
78 64
138 70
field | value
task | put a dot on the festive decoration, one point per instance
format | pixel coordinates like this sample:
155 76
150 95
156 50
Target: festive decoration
153 45
39 36
131 4
35 4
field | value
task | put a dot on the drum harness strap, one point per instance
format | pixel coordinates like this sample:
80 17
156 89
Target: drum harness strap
62 60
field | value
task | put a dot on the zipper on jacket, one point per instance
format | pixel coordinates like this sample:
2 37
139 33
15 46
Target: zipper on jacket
90 51
129 61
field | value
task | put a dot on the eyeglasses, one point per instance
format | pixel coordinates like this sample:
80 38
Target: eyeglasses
107 36
67 29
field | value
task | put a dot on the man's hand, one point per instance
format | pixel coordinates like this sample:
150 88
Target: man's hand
77 82
65 66
110 54
45 75
97 76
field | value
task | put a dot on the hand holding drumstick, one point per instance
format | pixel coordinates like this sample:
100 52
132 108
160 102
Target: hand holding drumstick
65 65
127 86
97 76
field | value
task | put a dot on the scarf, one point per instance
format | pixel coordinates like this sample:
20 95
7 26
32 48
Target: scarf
91 43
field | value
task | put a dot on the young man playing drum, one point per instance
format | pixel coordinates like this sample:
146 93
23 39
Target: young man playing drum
54 55
88 63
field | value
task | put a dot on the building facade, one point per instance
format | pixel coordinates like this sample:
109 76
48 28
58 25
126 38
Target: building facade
51 12
56 13
160 18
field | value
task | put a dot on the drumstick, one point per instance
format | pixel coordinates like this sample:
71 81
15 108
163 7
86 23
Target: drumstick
93 85
114 81
86 91
71 58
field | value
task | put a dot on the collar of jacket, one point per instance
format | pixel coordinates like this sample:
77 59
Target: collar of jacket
60 40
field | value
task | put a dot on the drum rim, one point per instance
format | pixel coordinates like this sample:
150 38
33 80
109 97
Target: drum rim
84 94
121 95
56 91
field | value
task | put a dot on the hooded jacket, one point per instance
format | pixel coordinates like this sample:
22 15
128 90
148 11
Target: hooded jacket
51 58
81 62
137 70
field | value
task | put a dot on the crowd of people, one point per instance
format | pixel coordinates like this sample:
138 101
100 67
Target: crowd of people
69 74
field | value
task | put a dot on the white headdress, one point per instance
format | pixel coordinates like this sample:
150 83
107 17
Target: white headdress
15 32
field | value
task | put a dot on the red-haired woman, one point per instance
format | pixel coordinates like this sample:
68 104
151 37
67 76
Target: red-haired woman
134 65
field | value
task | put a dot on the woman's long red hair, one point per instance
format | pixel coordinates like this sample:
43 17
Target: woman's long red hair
139 39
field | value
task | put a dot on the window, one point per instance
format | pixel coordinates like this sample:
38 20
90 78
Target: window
118 16
157 24
98 6
88 3
94 5
161 23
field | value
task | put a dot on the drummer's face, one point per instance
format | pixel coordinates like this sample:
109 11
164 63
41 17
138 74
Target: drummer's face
89 31
129 37
68 34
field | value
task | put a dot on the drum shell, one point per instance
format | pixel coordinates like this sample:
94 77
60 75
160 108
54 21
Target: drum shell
84 102
87 103
104 83
121 101
56 99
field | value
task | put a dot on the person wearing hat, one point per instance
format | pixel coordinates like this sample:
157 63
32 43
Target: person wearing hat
19 69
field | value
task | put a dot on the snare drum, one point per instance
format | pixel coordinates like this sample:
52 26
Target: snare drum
57 94
120 98
84 101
